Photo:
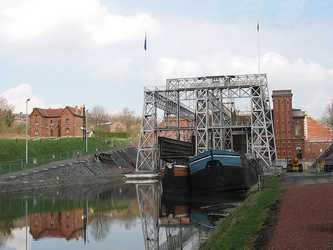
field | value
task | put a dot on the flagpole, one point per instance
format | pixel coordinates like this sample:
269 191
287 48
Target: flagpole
258 31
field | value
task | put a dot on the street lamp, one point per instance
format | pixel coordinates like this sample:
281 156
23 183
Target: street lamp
86 129
26 131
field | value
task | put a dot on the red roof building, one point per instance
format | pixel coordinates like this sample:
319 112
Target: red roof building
294 128
58 122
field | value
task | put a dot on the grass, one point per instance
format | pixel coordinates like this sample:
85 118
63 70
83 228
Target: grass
240 229
41 151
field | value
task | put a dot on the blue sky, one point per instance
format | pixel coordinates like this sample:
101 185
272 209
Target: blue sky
69 52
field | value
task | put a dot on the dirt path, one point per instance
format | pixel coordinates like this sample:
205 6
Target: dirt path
305 219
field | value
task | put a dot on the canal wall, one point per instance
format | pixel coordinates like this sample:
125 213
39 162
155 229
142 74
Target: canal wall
70 172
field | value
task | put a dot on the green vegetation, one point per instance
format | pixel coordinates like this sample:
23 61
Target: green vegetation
102 134
239 230
15 208
41 151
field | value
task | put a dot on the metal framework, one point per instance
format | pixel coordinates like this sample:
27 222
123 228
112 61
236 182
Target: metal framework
149 200
206 103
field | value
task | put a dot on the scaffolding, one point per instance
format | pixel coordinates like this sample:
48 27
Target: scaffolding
207 106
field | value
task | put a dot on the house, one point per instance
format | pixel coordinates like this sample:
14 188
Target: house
67 225
171 122
118 127
58 122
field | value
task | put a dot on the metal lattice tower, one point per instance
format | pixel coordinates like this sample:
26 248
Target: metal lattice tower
207 104
149 198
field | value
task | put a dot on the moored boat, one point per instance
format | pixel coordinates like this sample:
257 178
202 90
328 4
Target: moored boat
221 170
175 178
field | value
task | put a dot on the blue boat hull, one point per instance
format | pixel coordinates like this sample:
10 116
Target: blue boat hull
221 171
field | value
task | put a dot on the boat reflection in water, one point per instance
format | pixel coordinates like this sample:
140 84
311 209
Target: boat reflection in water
172 220
122 216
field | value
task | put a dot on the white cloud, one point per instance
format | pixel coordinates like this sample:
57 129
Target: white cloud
65 43
17 96
18 239
25 20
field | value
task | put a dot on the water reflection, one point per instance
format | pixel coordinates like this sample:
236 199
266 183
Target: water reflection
122 216
181 221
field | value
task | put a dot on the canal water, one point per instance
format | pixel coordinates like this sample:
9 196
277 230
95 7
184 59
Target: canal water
122 216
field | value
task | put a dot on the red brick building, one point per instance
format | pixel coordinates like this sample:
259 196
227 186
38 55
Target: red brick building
294 128
185 135
66 121
68 225
318 137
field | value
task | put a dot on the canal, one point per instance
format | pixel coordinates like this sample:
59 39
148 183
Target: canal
118 216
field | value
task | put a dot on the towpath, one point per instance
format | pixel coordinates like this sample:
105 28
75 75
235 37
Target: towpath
305 216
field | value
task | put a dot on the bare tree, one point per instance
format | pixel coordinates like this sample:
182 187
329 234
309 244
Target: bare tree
127 117
4 106
98 115
100 226
328 116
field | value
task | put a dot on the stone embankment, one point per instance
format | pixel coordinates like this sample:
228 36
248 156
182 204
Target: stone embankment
75 171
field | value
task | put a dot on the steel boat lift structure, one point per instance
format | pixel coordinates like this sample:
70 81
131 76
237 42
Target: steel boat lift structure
207 104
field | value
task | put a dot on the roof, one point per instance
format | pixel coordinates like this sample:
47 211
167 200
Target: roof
282 92
328 153
54 113
50 112
75 111
298 113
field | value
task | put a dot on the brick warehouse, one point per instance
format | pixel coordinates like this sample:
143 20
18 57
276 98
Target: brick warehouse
66 121
294 128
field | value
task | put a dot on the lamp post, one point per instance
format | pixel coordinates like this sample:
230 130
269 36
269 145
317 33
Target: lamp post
86 129
26 131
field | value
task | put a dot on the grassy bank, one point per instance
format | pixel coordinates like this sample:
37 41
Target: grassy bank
12 151
239 230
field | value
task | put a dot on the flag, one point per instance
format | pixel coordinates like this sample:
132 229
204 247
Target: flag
145 43
258 26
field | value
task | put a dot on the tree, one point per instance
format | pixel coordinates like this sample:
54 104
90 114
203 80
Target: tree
4 106
6 115
131 122
126 117
9 118
328 116
98 115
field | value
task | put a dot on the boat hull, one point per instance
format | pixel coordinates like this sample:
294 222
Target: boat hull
176 180
221 172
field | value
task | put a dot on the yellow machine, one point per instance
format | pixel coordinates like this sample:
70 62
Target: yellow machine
295 165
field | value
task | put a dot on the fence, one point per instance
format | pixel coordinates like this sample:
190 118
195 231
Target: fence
14 166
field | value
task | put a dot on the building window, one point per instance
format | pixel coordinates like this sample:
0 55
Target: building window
36 132
297 130
67 131
66 120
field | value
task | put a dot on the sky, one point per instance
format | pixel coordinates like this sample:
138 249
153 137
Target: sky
75 52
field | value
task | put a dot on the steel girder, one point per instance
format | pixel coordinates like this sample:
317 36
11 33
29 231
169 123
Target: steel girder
147 151
226 82
213 121
170 104
262 130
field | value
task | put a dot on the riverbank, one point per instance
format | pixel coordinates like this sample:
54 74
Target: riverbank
240 229
69 172
42 151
